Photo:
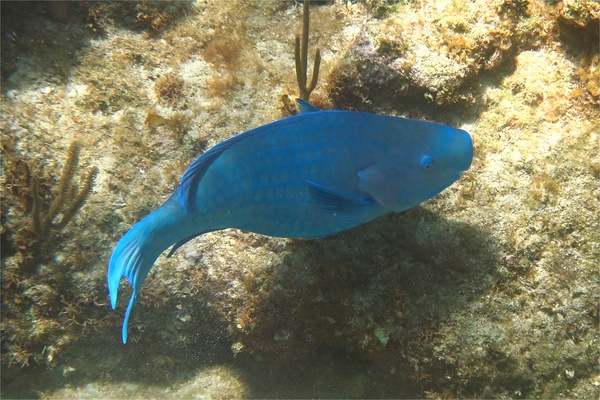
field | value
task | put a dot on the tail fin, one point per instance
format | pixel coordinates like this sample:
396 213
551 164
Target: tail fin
137 251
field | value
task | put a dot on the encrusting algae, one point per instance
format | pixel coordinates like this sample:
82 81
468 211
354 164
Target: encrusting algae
489 290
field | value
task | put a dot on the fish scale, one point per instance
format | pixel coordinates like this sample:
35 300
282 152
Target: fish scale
296 148
306 176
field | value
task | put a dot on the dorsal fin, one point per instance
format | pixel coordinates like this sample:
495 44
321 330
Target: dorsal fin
193 175
305 107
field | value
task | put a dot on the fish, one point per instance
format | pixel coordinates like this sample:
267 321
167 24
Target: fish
306 176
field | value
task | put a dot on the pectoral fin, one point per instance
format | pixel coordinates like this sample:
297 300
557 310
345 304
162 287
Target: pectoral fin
342 204
381 180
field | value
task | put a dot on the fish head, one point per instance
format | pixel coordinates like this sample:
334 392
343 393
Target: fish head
444 154
423 164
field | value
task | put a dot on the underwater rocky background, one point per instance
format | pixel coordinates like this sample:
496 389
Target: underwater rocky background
490 290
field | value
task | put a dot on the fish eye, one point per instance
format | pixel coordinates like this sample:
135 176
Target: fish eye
426 162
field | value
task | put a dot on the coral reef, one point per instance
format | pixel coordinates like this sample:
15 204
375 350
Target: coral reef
435 54
211 382
583 14
35 307
490 290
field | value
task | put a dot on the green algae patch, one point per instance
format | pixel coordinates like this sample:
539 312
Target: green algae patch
382 336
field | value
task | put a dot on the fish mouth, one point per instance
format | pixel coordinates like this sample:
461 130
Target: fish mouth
468 151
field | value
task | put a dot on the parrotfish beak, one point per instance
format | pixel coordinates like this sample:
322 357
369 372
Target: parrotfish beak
463 150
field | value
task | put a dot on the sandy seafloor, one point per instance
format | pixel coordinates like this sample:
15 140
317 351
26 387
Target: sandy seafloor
489 290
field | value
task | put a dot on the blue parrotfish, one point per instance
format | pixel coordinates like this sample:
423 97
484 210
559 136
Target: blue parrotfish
306 176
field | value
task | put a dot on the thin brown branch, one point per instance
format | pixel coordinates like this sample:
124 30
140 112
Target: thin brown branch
301 57
68 198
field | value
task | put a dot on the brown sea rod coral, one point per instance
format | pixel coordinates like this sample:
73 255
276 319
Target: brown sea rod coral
68 197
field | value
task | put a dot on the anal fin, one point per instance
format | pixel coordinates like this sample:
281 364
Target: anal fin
187 239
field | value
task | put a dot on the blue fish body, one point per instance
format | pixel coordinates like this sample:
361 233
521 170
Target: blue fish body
306 176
